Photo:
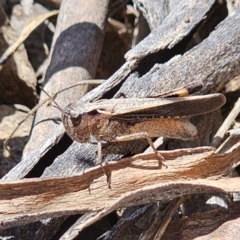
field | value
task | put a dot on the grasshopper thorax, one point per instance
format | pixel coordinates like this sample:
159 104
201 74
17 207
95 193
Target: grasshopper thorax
75 121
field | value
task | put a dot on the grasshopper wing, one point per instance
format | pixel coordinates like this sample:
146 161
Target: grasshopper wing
169 107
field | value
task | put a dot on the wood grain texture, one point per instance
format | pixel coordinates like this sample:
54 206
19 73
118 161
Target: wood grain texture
30 160
183 19
70 194
135 180
219 223
207 62
64 71
129 87
155 11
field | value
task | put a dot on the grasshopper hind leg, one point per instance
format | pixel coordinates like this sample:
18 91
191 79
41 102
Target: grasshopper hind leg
143 135
159 156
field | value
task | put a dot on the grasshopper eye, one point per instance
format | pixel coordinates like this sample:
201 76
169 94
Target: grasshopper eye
72 115
75 119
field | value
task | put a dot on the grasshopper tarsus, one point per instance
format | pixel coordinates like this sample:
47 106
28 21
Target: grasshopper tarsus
160 159
109 179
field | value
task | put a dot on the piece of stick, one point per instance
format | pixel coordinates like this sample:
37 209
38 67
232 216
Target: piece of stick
226 125
171 208
230 141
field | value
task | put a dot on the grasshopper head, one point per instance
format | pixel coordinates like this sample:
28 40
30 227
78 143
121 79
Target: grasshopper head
75 121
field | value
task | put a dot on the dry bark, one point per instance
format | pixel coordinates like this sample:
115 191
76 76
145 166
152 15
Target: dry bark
17 78
63 68
77 46
155 11
154 66
219 223
189 171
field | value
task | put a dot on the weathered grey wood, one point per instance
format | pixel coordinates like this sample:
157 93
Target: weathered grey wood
189 227
130 89
143 89
82 156
105 88
142 48
144 222
93 95
183 19
212 63
25 166
71 67
73 232
41 230
77 46
155 11
28 163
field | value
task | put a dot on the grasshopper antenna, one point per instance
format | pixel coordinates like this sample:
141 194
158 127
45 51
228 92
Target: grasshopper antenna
56 105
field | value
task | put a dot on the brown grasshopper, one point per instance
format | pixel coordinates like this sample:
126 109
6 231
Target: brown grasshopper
124 119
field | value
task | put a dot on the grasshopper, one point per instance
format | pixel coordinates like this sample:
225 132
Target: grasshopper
125 119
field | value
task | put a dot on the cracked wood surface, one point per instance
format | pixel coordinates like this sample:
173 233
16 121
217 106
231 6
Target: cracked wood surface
78 157
135 180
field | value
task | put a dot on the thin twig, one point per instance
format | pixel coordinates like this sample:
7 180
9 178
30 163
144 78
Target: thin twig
233 138
226 125
7 151
171 208
161 221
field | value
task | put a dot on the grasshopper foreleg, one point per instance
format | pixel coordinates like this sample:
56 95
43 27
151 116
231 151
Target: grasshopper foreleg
99 161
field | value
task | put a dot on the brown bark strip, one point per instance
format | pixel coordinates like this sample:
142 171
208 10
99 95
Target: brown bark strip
135 180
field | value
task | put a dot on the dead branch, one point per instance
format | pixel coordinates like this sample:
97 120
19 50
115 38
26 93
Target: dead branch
136 180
